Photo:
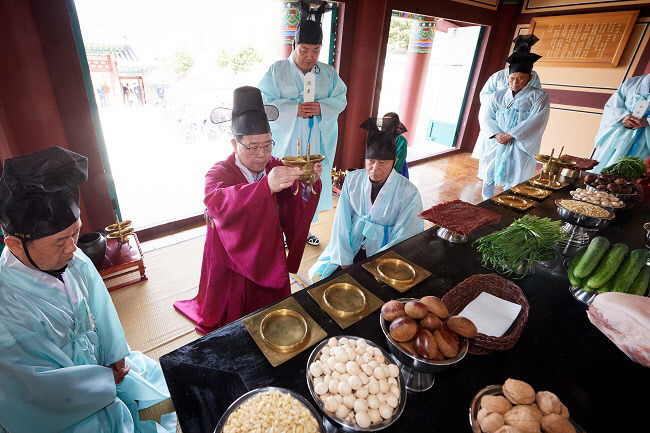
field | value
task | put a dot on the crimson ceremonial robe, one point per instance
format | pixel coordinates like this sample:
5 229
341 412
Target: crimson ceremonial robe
245 266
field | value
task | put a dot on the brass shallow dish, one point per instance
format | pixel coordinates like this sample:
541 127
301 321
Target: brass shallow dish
395 271
513 201
344 299
546 183
531 191
284 329
118 226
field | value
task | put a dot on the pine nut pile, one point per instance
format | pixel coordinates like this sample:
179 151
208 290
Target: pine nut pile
271 412
584 208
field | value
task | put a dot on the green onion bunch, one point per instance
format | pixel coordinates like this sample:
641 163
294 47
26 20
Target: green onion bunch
630 167
527 239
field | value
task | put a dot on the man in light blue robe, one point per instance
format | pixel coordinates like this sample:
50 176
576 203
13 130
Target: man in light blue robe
621 133
514 121
498 81
378 207
314 123
64 362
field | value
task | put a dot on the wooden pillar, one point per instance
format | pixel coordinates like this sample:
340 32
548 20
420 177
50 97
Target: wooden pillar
417 65
360 59
290 20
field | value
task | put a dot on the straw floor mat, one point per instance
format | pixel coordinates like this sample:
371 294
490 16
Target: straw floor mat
150 322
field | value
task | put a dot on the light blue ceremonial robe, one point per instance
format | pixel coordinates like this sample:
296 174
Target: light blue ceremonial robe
392 218
282 86
613 139
56 343
523 116
497 81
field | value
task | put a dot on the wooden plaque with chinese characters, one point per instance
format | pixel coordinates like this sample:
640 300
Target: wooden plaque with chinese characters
582 40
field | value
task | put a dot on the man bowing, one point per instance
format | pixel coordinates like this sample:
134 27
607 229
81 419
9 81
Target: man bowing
310 96
250 204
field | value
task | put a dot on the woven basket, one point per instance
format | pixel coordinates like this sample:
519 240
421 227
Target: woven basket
466 291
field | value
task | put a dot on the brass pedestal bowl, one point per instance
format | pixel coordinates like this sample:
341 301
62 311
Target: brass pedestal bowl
306 164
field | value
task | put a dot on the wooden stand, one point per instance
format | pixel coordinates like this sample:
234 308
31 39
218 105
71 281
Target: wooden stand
122 261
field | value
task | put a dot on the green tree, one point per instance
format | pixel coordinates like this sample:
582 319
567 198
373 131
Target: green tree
398 35
240 61
183 62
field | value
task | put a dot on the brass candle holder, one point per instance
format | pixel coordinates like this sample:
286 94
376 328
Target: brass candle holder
551 168
119 231
337 176
306 164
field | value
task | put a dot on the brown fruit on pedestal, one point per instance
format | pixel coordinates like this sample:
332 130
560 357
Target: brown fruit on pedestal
415 309
403 329
431 322
590 178
425 344
448 342
391 310
408 346
435 306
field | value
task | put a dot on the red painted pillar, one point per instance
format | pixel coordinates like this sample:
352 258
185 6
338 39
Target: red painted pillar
290 20
417 64
360 59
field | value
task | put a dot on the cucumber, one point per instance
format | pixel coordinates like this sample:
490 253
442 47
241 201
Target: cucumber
595 251
608 286
640 284
630 269
573 280
607 266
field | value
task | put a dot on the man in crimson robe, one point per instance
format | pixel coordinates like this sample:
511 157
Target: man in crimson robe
250 203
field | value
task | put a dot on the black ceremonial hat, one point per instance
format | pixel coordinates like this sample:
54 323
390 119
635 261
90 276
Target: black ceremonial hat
249 115
309 30
522 62
381 140
523 43
39 192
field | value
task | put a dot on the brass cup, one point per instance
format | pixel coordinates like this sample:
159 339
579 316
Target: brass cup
306 164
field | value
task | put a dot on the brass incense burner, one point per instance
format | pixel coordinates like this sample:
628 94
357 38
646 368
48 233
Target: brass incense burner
306 164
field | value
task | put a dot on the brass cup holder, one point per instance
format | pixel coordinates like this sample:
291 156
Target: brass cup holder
284 330
306 164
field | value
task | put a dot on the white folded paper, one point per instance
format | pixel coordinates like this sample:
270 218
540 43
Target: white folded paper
491 314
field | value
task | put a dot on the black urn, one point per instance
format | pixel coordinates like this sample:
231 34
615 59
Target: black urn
94 246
